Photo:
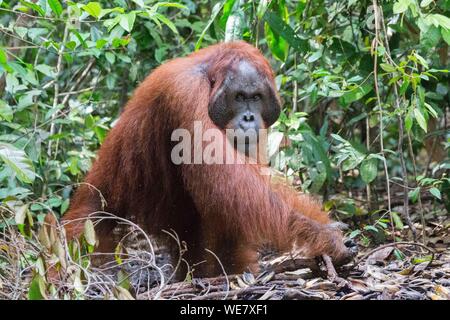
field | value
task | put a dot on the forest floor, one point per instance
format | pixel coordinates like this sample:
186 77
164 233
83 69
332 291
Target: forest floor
375 274
388 271
400 270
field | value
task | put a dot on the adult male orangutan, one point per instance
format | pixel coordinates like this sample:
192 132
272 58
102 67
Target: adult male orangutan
230 209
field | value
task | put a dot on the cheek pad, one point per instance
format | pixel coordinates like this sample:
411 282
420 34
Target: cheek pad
217 109
271 108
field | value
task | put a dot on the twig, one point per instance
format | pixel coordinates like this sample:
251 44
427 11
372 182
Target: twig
68 93
397 244
401 131
331 271
56 86
224 273
419 198
231 293
377 91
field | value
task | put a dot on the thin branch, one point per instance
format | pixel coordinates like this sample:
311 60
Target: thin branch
377 91
56 86
401 133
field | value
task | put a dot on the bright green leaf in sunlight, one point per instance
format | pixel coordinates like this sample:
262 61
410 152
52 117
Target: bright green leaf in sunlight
34 6
170 5
127 21
442 20
401 6
93 9
18 161
56 7
3 56
425 3
227 11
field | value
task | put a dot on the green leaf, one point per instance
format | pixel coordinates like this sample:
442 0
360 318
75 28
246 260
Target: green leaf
3 56
171 5
425 3
262 8
354 233
6 112
17 160
387 67
369 169
100 43
397 220
227 11
431 110
277 45
110 57
414 194
355 94
401 6
123 279
127 21
315 56
89 232
65 205
282 29
371 228
45 69
436 193
420 119
34 6
140 3
56 7
20 214
215 12
404 86
167 22
93 9
408 121
446 35
442 20
37 288
319 151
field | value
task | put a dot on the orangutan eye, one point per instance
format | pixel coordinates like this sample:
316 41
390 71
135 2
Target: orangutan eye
240 97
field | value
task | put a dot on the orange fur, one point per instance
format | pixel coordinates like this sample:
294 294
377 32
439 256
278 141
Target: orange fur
229 209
